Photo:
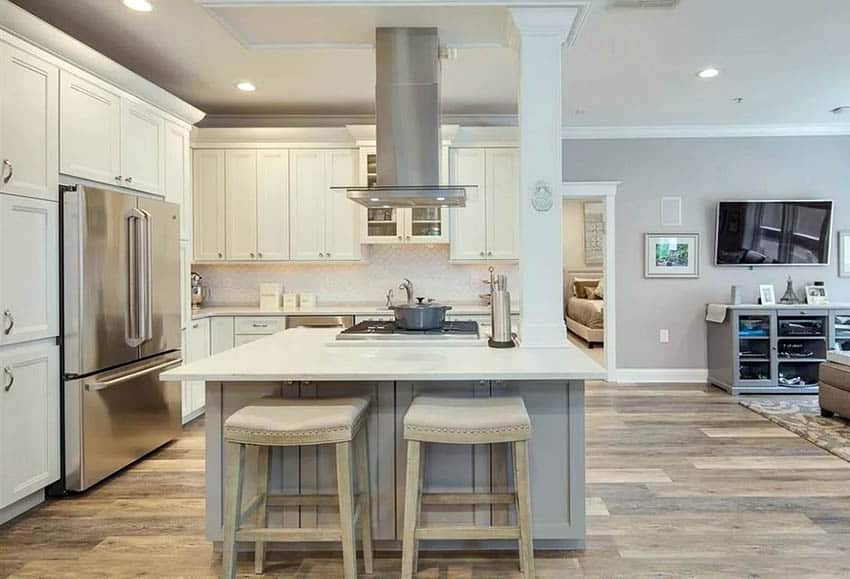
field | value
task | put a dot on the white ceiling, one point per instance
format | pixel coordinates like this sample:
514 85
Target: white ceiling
788 59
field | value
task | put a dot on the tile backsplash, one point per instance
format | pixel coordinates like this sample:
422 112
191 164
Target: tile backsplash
426 266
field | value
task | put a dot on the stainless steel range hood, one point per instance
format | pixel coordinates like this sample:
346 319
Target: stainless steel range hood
407 101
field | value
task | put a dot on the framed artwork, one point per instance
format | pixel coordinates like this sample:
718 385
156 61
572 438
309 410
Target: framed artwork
767 294
816 295
594 232
844 254
671 255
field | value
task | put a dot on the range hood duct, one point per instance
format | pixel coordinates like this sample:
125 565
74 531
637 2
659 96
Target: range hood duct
407 101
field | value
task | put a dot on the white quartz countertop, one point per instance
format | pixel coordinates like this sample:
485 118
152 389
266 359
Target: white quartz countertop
315 354
353 309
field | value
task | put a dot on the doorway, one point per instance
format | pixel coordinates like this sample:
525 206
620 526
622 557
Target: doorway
589 269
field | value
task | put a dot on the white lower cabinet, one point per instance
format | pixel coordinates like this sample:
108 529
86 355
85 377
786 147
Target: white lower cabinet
29 419
197 348
29 265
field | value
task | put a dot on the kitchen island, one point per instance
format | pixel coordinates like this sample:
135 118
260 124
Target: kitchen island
309 363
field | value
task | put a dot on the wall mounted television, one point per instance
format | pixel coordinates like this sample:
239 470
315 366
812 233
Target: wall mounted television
751 233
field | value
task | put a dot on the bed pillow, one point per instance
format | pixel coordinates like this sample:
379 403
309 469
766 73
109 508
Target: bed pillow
599 291
584 288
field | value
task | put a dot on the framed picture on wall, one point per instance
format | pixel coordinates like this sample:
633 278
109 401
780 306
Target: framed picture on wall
673 255
844 253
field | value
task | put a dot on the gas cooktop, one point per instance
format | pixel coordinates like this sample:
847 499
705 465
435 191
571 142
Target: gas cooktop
388 330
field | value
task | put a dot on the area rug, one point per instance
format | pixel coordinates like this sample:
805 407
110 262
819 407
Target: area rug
803 419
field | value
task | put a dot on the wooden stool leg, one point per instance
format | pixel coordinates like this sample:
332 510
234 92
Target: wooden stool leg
517 505
362 458
346 509
262 507
232 505
412 499
523 490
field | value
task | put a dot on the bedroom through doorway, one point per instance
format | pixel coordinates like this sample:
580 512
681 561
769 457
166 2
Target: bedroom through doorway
584 274
588 225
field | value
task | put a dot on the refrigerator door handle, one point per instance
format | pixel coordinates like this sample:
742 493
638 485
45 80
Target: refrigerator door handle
147 286
134 322
103 384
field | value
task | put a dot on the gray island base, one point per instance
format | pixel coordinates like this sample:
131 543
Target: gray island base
297 364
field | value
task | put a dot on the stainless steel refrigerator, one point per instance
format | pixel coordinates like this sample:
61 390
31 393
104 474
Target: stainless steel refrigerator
121 329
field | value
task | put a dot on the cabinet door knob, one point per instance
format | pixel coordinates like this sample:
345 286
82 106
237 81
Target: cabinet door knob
220 255
482 254
8 372
10 322
321 254
119 178
327 255
8 163
489 253
129 179
408 237
399 237
259 254
252 254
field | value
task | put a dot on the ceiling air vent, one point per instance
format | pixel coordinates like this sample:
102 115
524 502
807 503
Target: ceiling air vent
643 3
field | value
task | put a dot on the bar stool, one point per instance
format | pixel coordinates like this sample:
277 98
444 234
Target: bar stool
272 422
466 421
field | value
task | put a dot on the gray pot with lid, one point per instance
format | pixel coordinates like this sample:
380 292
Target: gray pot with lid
423 315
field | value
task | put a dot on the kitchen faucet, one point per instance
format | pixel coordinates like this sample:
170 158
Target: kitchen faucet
407 286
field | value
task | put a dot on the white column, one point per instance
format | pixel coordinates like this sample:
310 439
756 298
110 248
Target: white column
541 33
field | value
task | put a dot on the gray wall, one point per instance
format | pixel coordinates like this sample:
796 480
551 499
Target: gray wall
702 172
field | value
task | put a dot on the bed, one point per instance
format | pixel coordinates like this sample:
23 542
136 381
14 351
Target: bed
585 317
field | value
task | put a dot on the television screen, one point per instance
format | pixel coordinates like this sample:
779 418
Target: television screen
773 232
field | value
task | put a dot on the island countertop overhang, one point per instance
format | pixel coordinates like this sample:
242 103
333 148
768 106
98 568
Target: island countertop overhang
311 354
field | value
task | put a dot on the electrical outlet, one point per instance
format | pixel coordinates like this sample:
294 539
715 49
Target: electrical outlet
664 336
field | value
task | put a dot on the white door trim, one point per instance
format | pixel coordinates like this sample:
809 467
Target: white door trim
607 191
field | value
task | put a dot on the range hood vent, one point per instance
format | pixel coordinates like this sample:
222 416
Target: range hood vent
407 102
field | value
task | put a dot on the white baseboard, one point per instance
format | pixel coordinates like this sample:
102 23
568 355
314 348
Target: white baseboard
649 375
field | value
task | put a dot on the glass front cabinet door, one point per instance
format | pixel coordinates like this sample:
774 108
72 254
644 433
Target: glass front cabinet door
400 225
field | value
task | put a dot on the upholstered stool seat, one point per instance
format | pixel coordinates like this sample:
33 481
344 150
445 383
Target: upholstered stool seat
271 422
446 420
282 422
467 421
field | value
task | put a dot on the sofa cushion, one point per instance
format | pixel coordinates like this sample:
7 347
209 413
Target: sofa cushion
836 375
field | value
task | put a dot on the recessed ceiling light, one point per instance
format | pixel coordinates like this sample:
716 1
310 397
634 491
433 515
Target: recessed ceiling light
246 86
840 110
374 199
441 198
138 5
708 73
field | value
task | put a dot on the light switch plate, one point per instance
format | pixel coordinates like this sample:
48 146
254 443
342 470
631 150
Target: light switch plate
664 336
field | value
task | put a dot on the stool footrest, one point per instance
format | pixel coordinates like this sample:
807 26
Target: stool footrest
305 500
468 498
289 535
449 533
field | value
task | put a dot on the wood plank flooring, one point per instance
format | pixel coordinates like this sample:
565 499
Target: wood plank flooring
683 482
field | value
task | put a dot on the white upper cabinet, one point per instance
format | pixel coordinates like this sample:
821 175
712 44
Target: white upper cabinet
342 224
29 420
273 204
324 223
29 265
468 224
208 205
110 138
502 204
177 181
29 124
487 228
241 206
89 130
142 144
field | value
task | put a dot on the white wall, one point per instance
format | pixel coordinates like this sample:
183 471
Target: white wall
702 172
426 266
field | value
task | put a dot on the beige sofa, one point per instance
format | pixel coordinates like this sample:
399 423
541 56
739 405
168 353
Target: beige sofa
834 389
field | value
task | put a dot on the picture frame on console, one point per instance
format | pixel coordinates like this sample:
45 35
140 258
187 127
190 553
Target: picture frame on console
672 255
844 254
816 295
767 294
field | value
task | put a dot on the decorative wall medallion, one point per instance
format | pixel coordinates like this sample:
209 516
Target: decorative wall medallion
541 196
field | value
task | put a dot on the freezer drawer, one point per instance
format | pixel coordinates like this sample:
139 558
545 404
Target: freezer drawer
116 417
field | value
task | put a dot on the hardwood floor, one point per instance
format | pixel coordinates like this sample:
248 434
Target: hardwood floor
683 482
